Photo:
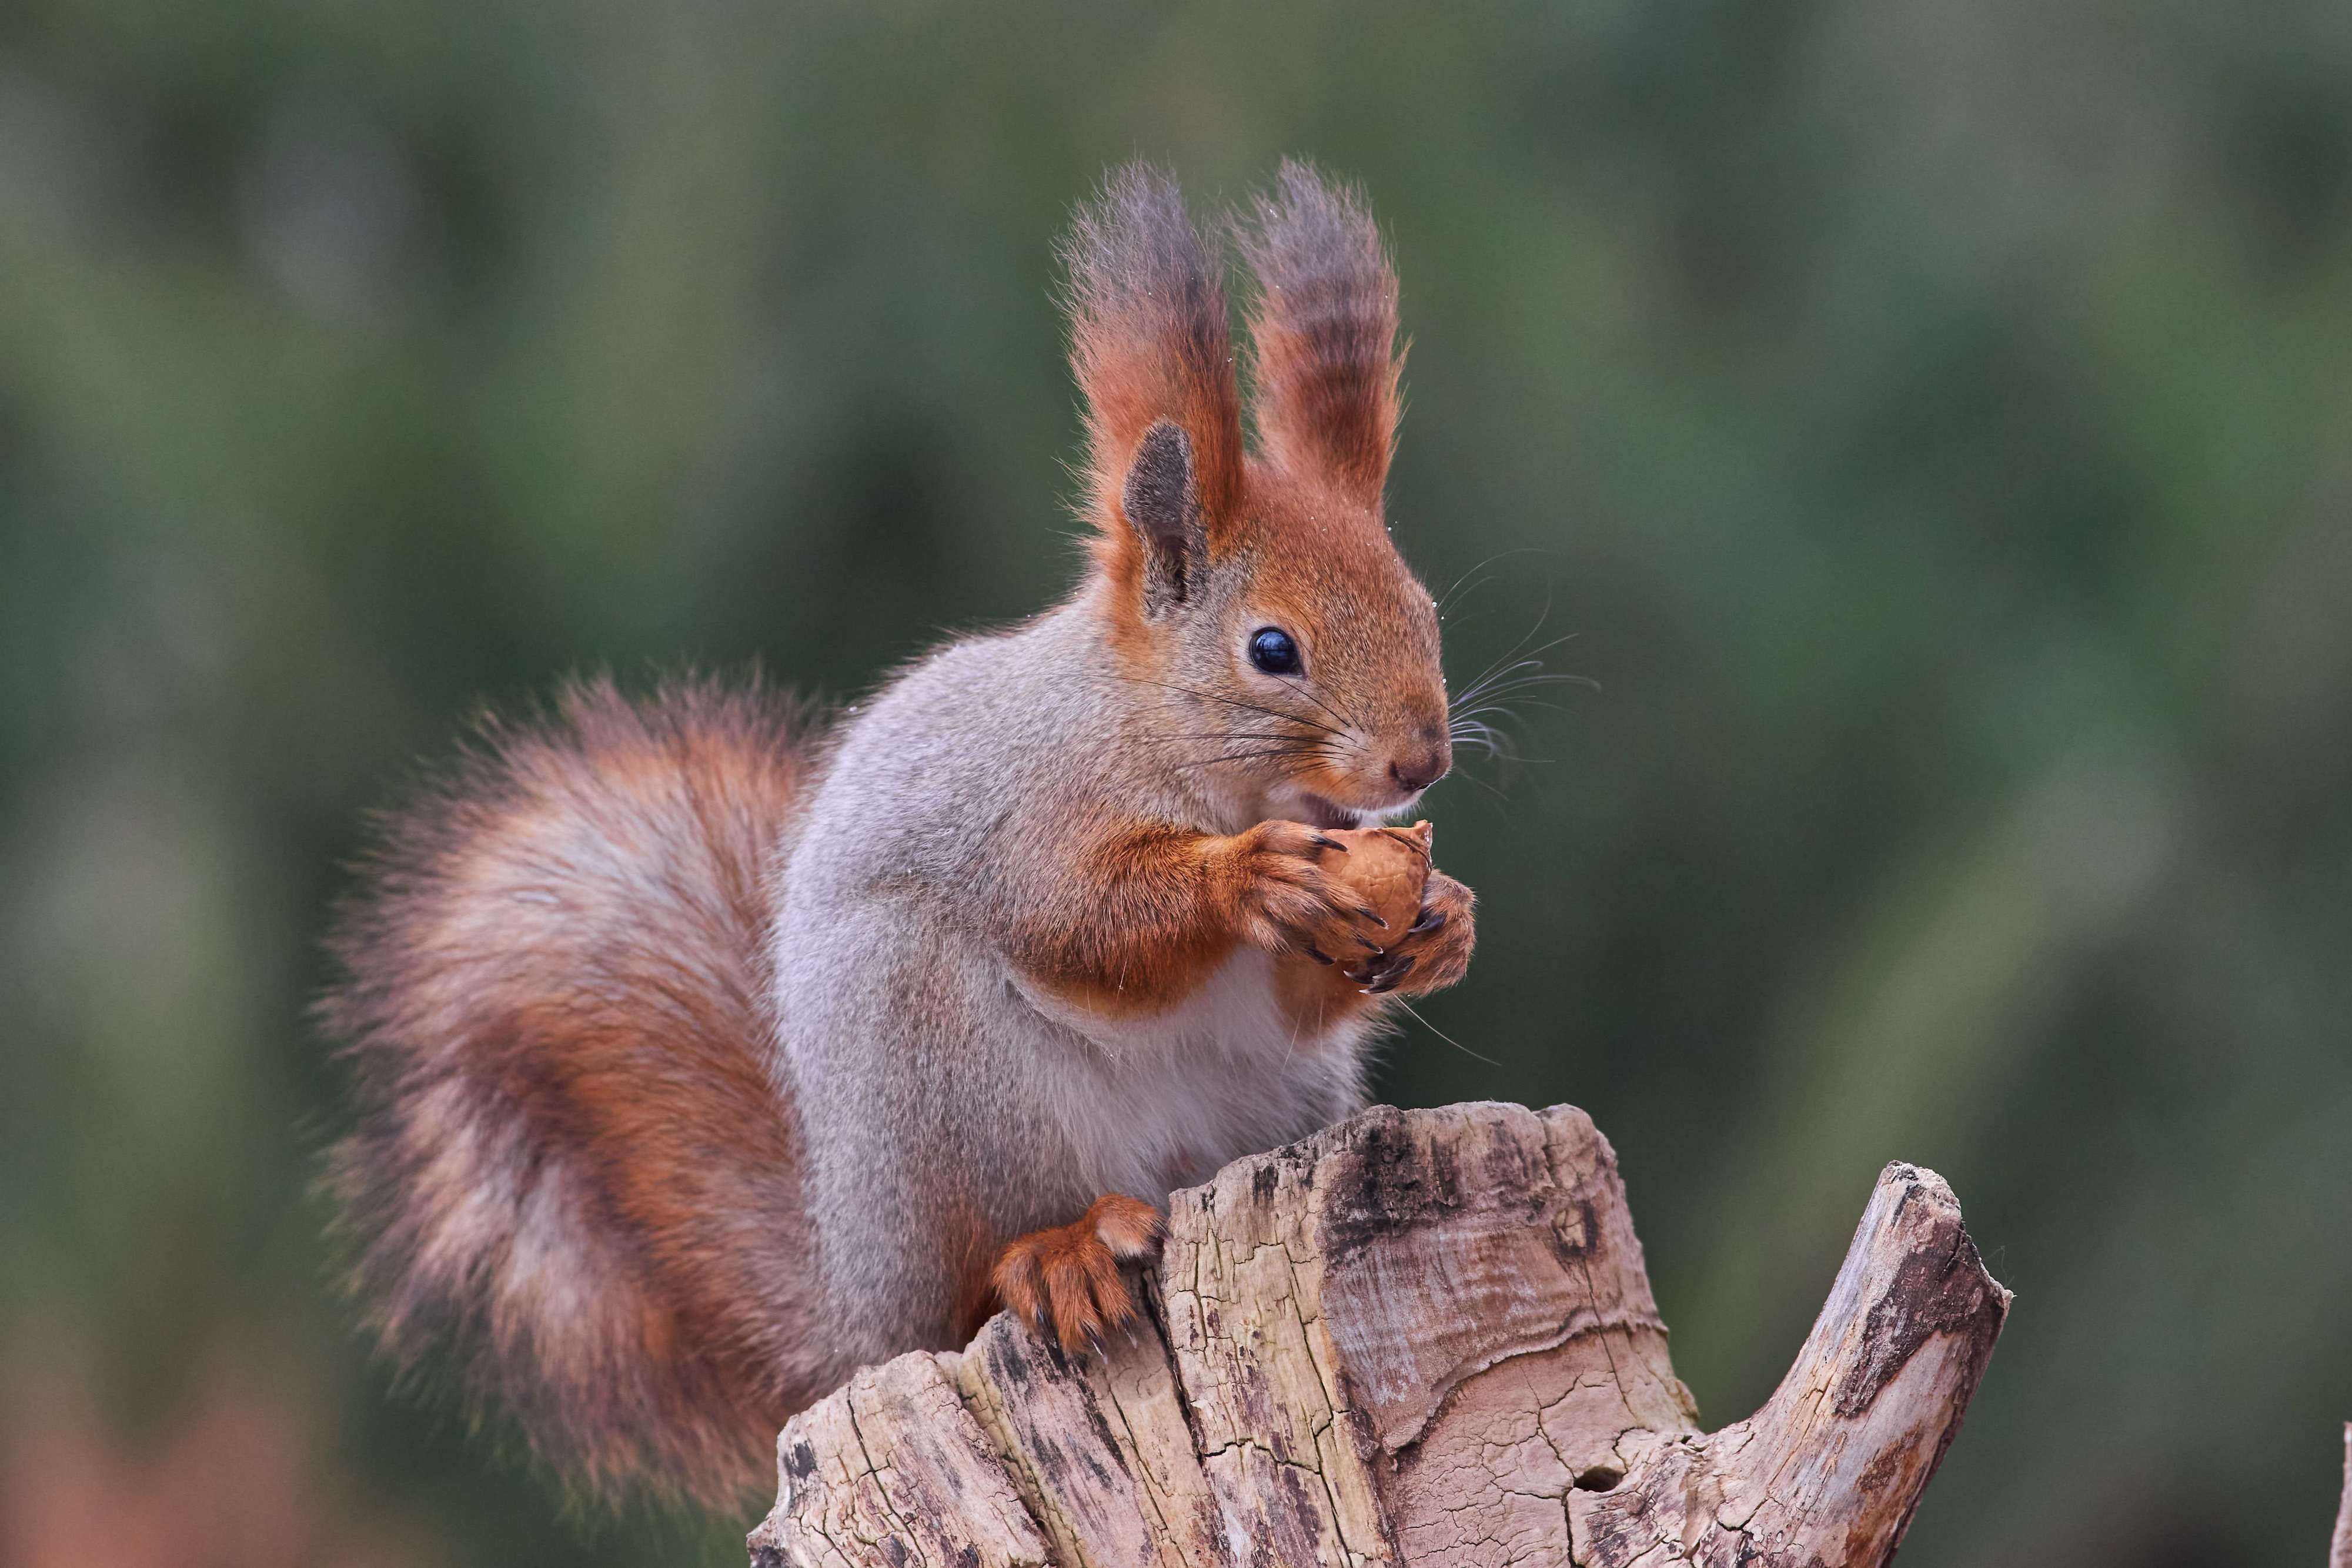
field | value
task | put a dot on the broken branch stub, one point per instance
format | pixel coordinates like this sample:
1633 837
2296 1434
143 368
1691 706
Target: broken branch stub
1422 1337
2339 1554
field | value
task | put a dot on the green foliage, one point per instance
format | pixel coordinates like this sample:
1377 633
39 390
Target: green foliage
1930 421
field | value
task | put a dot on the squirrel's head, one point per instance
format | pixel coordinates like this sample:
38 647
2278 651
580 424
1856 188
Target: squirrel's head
1277 646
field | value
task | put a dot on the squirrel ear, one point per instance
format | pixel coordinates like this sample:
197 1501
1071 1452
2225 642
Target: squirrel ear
1324 333
1162 505
1151 350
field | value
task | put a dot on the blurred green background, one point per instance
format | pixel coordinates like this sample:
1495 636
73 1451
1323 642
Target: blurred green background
1932 421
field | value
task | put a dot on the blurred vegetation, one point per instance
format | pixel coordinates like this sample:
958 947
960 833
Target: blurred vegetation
1932 422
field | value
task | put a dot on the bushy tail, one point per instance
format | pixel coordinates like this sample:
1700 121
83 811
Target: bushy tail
574 1180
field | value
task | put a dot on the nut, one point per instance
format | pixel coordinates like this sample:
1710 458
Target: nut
1386 867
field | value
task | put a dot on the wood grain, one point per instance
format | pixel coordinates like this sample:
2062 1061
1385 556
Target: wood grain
2340 1552
1421 1337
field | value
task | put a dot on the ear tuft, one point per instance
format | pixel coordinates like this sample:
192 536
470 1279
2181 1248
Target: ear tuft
1150 347
1324 333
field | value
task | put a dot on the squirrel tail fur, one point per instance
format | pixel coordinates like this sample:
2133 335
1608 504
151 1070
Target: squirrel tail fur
562 951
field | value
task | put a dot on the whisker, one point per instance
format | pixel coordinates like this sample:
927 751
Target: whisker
1307 750
1492 740
1443 1035
1496 673
1498 694
1501 671
1519 648
1524 683
1327 707
1504 751
1448 603
1230 702
1507 710
1447 597
1300 760
1474 778
1233 735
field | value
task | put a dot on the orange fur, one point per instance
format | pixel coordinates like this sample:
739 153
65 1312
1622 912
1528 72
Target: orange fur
562 959
1436 955
1142 912
1150 340
1324 333
1313 997
968 1251
574 1168
1152 910
1066 1279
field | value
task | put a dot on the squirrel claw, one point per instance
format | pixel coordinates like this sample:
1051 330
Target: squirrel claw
1380 975
1064 1284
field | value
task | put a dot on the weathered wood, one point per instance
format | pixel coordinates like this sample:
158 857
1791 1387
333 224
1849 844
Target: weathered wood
894 1459
1418 1338
2340 1554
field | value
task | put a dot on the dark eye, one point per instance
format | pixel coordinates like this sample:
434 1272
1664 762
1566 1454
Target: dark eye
1271 650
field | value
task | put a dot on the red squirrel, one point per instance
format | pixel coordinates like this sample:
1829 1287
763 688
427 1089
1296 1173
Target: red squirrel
709 1048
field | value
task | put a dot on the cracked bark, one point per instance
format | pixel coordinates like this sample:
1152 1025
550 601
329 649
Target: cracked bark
1420 1337
2339 1554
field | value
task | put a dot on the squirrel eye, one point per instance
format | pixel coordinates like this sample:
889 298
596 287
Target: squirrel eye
1271 649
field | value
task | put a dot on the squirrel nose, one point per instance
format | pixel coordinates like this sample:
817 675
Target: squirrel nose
1421 773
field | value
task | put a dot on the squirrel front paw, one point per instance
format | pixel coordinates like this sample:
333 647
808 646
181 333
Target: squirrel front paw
1289 903
1065 1282
1434 950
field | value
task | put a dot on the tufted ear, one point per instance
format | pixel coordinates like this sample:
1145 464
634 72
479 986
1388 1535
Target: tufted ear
1151 347
1323 334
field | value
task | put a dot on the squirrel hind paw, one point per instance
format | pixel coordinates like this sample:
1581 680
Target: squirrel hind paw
1066 1283
1130 1227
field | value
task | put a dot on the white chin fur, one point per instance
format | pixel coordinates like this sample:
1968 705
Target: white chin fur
1317 812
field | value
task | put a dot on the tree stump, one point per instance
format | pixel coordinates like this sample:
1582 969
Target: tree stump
2339 1554
1421 1337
